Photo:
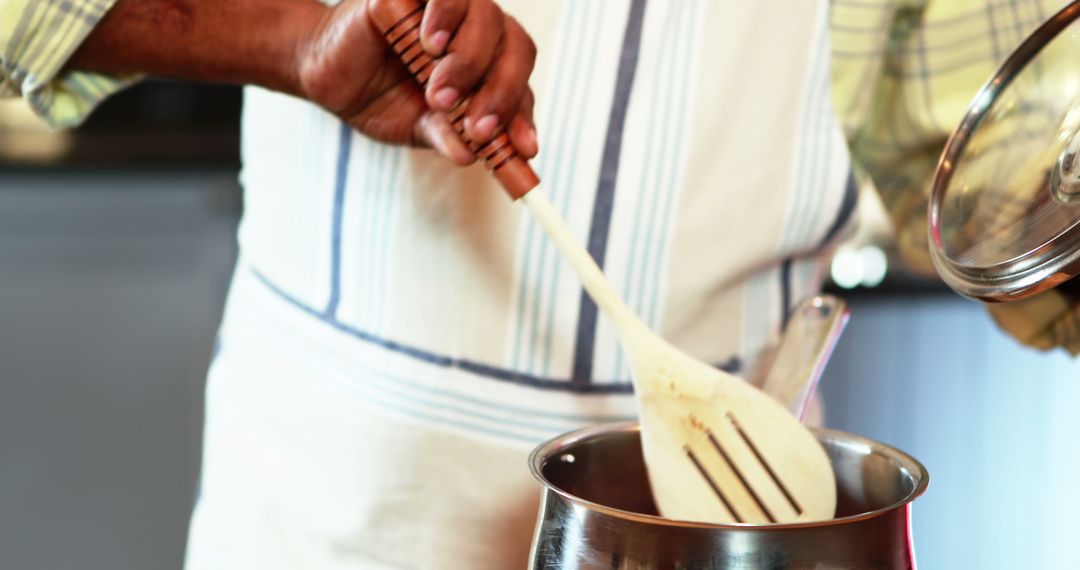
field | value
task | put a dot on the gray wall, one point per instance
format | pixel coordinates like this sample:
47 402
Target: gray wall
110 294
995 424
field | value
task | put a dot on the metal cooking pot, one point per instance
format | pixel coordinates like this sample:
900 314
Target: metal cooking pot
597 512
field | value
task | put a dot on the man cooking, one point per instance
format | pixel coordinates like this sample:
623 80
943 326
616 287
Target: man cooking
399 334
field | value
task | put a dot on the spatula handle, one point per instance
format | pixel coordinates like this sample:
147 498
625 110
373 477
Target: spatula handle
399 21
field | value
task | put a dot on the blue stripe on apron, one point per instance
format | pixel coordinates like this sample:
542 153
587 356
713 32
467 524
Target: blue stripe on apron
605 191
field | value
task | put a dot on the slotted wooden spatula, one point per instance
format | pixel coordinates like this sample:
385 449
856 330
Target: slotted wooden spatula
717 449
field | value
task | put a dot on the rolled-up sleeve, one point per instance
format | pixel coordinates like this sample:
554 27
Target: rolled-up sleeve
37 37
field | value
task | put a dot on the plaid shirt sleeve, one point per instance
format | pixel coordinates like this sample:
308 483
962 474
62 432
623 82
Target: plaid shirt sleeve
36 39
904 73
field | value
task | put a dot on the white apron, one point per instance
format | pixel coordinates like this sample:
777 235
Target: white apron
399 334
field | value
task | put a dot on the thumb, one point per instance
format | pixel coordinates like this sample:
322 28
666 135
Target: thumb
434 130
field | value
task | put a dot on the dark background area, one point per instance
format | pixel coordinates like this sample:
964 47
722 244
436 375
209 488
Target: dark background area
160 123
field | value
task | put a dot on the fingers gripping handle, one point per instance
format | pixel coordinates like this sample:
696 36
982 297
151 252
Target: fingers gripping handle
399 21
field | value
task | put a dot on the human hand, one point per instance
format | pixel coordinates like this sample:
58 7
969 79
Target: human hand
345 65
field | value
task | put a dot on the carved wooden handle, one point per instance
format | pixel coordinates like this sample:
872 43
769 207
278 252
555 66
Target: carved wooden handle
399 21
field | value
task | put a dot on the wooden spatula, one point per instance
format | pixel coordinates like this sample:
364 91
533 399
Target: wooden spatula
717 449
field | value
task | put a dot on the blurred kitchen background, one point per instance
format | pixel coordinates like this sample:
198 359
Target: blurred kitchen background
116 245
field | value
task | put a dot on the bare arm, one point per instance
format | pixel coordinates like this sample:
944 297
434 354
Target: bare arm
336 58
229 41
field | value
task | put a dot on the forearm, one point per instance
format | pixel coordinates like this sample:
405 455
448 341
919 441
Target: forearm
226 41
333 57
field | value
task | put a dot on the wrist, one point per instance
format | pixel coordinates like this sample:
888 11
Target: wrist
299 30
336 57
277 39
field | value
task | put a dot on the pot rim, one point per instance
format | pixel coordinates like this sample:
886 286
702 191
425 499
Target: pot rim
553 446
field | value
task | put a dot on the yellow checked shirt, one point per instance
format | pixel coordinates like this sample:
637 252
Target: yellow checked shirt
903 73
36 39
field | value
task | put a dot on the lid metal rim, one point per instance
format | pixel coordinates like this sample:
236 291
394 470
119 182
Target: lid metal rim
1007 281
996 286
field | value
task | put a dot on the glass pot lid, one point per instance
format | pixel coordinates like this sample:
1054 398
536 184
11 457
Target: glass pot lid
1005 205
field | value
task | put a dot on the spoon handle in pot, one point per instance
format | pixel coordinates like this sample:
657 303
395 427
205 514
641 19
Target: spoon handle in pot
399 21
811 335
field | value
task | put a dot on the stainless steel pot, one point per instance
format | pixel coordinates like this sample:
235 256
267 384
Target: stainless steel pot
597 512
